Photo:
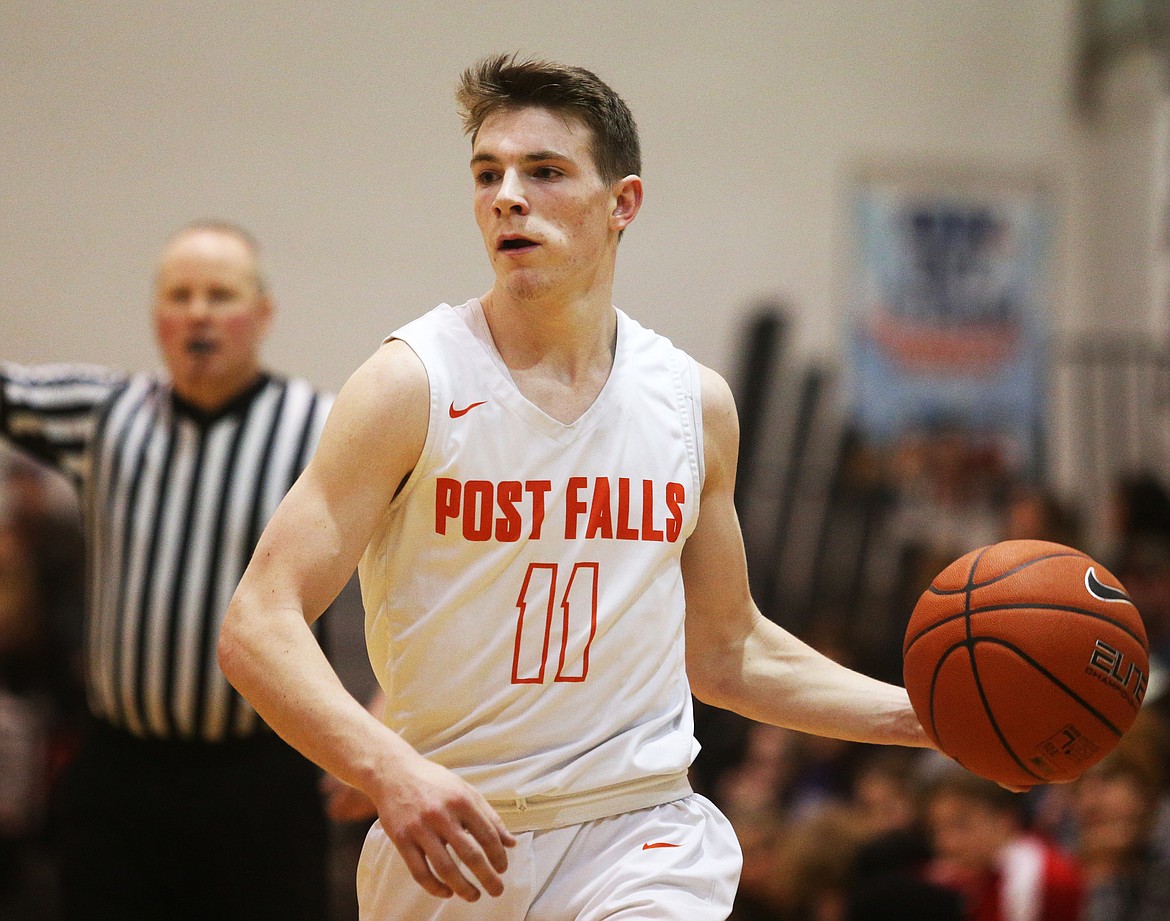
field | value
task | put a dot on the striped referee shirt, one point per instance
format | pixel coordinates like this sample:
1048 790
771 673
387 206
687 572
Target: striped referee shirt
173 503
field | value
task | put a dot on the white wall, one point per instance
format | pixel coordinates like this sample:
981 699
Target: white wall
1125 173
329 130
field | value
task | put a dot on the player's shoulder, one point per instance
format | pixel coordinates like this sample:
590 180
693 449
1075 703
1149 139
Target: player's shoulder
381 414
718 399
720 425
393 369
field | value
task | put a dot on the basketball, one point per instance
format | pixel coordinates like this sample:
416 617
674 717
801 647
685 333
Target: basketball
1026 662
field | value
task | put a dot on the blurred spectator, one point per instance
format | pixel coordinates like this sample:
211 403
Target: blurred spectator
1140 555
889 883
1035 513
759 781
888 880
885 791
947 489
1140 511
814 860
796 867
951 485
850 850
750 792
41 695
984 852
1115 808
788 799
760 834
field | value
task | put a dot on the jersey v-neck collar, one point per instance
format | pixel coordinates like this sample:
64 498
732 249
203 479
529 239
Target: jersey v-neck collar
505 389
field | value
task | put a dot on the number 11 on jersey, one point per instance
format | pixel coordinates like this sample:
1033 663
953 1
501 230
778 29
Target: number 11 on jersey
538 631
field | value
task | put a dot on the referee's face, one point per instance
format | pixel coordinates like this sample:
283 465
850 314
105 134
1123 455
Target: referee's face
210 316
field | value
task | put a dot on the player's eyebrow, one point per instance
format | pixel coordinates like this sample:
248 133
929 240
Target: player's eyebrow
537 156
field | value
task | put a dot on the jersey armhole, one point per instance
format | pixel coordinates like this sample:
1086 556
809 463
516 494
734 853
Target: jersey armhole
411 479
696 400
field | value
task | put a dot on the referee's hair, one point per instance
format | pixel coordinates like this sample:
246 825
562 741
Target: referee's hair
231 229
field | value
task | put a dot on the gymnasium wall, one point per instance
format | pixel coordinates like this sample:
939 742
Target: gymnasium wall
329 130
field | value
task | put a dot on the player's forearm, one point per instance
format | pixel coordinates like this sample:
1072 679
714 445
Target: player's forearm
272 658
774 678
828 699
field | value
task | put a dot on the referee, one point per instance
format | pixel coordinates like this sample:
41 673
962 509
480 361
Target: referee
181 804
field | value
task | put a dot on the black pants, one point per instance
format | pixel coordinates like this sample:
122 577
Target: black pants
205 832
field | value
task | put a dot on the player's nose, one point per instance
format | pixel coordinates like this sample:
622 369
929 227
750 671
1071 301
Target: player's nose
510 194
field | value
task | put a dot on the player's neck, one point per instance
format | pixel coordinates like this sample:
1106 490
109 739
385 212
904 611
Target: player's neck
571 336
559 359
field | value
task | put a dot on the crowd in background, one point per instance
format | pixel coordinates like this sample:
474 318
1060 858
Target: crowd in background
835 831
842 832
42 705
831 831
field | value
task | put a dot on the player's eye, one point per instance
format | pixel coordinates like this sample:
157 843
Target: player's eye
486 177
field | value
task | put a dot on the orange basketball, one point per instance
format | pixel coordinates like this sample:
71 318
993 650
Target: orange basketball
1026 661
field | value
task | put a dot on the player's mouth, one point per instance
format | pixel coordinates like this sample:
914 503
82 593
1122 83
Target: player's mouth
513 243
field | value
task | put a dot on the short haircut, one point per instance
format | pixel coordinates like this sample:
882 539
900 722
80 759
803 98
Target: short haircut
231 229
505 82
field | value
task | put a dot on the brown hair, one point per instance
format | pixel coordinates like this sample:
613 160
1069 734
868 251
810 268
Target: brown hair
506 82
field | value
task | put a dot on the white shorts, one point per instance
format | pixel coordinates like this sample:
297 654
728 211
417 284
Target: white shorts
676 862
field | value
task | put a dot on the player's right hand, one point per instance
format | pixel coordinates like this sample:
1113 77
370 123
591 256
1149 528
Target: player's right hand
443 827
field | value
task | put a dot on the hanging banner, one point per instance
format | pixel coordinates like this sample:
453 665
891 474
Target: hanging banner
948 310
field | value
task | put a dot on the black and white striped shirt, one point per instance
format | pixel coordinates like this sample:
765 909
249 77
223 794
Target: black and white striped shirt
173 502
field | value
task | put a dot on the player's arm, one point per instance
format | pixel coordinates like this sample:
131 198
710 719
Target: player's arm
740 660
344 803
371 442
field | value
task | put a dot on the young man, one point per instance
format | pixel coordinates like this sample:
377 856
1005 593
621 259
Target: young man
532 478
181 803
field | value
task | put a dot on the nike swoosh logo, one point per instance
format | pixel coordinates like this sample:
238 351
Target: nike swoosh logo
1105 592
653 844
456 413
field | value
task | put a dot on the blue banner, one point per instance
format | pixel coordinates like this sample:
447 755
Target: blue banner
949 320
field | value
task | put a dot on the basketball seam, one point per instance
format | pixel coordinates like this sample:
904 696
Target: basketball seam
1025 669
991 718
1054 679
966 644
969 644
972 584
967 613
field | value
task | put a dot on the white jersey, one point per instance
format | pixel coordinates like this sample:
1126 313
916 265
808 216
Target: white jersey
524 597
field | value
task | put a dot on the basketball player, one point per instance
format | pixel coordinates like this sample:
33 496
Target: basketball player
532 478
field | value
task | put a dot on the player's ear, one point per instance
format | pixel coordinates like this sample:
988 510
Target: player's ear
627 194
